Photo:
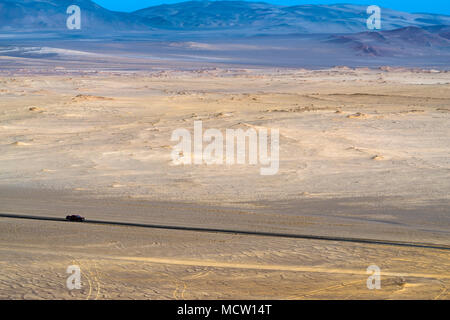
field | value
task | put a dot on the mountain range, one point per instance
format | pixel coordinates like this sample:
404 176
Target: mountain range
264 17
46 15
393 42
228 32
233 16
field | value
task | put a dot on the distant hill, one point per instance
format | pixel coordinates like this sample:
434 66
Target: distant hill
264 17
232 16
412 40
33 15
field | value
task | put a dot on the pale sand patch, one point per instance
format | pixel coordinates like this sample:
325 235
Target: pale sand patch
124 131
20 144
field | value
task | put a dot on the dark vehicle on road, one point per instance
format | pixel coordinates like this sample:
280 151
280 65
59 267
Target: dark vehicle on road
76 218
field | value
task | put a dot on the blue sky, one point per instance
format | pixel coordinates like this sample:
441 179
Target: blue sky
431 6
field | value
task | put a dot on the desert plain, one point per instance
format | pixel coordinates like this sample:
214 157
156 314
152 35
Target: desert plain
364 153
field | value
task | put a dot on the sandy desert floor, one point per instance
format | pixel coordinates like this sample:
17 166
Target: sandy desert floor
133 263
363 153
